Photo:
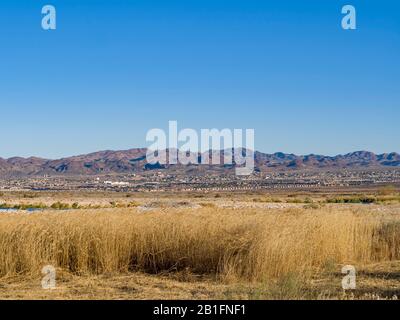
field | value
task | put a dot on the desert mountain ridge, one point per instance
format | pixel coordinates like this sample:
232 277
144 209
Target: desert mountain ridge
134 161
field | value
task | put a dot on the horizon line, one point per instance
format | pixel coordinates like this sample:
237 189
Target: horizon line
213 150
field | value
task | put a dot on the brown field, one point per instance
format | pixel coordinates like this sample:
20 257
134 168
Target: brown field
201 246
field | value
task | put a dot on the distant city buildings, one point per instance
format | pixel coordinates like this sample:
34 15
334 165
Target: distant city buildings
208 181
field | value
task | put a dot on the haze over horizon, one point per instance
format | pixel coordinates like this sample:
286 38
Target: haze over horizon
114 70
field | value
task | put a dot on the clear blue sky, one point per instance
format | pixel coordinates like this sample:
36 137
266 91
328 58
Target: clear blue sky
115 69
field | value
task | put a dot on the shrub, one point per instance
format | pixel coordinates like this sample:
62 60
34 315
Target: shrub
60 206
75 205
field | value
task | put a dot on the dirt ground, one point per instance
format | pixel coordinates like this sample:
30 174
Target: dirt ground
381 281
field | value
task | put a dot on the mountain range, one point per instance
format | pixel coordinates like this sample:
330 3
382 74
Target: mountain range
134 161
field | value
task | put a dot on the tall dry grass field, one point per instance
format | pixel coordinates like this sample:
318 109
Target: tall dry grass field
249 244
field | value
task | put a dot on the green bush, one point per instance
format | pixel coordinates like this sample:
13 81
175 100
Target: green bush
60 206
359 199
75 205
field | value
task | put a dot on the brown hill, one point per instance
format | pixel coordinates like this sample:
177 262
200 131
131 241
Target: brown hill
134 160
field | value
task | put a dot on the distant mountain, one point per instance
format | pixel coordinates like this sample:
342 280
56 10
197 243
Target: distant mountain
354 160
134 161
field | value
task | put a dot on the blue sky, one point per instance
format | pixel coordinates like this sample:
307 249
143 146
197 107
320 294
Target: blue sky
115 69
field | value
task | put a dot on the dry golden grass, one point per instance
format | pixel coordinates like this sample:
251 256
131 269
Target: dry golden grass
234 245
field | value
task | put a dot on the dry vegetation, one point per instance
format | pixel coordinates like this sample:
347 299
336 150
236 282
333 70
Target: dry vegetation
229 253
